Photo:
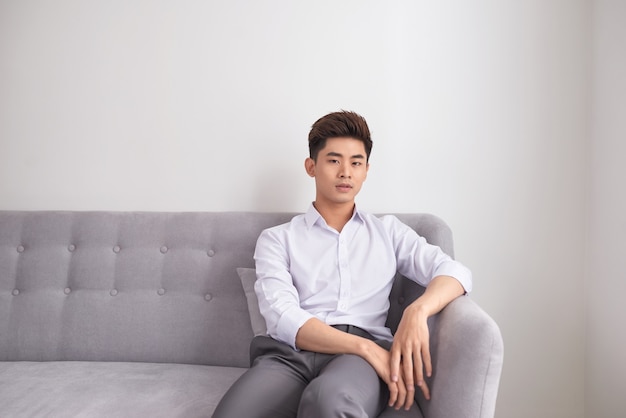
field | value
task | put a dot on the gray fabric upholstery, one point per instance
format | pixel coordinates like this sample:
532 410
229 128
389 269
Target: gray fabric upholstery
144 314
248 278
108 389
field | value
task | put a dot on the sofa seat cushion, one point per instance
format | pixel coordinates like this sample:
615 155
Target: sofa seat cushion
107 389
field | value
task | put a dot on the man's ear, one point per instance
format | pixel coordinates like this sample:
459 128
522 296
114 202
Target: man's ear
309 166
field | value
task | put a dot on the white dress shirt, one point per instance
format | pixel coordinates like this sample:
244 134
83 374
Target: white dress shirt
306 269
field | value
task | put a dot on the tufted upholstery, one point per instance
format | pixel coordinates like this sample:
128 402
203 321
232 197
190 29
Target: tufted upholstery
126 286
151 288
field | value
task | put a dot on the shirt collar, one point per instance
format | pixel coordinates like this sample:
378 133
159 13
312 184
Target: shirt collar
312 216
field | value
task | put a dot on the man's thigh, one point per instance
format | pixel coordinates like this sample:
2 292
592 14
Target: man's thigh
346 386
269 389
272 387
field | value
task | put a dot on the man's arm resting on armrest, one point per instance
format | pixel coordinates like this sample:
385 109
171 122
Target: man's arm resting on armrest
316 336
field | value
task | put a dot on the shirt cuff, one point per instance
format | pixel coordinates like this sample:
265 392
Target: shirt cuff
289 323
458 271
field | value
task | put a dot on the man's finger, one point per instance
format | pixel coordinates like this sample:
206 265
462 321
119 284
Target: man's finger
395 364
428 367
393 393
425 390
419 373
407 368
410 397
418 370
402 393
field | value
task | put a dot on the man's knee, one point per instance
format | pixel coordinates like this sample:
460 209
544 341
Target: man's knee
266 391
322 400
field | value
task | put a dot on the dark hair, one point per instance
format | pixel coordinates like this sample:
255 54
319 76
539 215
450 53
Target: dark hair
339 124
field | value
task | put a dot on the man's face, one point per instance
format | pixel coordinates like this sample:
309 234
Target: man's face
340 170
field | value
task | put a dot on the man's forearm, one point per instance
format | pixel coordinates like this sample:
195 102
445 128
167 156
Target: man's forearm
438 294
316 336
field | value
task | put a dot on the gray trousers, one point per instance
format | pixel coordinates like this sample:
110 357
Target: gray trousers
304 384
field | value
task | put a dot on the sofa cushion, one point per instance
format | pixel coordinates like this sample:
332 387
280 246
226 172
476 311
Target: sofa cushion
102 389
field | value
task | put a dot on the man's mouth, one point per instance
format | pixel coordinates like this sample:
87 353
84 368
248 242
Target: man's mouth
344 187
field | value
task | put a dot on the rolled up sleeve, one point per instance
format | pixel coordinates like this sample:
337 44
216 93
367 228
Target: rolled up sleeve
279 302
457 270
422 262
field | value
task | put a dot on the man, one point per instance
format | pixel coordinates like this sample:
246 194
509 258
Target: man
323 282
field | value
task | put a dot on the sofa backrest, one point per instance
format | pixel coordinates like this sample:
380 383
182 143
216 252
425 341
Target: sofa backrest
140 286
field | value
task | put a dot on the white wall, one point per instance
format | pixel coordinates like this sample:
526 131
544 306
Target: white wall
606 279
478 111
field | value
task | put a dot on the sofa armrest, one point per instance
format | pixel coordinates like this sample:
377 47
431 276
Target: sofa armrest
467 352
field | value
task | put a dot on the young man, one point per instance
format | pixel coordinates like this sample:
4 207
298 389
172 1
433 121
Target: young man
323 283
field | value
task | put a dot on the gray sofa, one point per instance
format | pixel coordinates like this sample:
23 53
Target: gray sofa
138 314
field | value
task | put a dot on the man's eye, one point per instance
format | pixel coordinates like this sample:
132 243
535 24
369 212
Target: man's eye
333 161
356 163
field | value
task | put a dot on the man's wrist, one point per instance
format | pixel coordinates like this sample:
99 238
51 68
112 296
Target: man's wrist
365 349
419 309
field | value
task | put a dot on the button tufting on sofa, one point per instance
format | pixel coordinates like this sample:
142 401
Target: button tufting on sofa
65 346
163 249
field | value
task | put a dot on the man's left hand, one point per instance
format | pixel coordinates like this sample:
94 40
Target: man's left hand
410 351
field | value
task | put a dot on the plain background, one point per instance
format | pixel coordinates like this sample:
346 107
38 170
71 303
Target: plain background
506 118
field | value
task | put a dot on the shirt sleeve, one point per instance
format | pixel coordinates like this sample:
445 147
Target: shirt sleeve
420 261
279 302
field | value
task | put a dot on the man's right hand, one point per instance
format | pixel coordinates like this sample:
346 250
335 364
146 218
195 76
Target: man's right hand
380 359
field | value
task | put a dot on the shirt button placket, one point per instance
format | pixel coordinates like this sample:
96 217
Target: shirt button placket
344 276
